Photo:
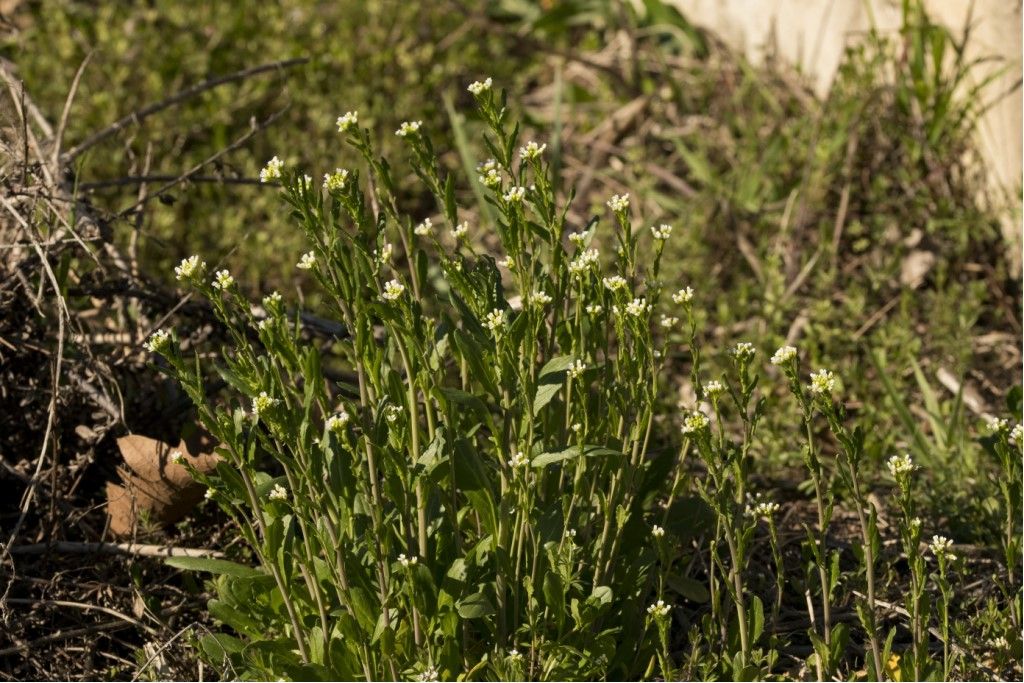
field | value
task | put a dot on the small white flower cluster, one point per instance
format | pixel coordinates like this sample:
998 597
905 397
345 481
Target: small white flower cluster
336 423
515 195
347 121
683 296
272 300
507 262
177 456
668 322
278 493
272 171
307 262
594 309
661 232
900 465
619 202
427 676
614 283
188 268
584 261
333 182
515 655
765 509
695 422
531 150
578 239
495 320
490 173
1017 435
823 382
540 298
263 403
392 413
158 341
480 87
460 231
714 388
393 289
657 531
637 307
783 355
518 460
942 547
424 228
407 561
577 368
223 280
659 610
384 255
743 351
408 128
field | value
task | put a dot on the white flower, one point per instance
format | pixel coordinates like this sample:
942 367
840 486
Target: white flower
188 268
208 494
515 194
659 610
408 128
307 262
480 87
764 509
900 465
577 427
429 675
392 413
1017 436
158 341
594 309
614 283
668 322
393 289
424 228
714 388
695 422
514 655
335 181
490 173
998 425
407 561
531 150
661 232
460 231
336 423
637 307
495 320
347 121
540 298
683 296
272 171
278 493
584 261
272 300
578 238
619 202
507 262
743 351
384 255
941 547
262 403
577 368
223 280
517 460
177 456
306 182
822 382
783 355
657 531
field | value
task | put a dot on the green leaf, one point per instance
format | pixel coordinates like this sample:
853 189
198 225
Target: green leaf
589 451
691 589
214 566
545 393
475 606
220 646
